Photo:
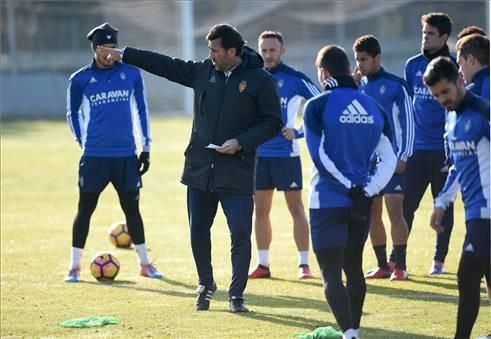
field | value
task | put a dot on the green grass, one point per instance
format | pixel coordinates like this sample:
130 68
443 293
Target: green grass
39 196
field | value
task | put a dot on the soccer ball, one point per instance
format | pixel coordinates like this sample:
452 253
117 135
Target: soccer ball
104 266
119 236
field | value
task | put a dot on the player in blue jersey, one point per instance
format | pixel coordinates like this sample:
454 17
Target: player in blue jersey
343 129
278 165
391 93
473 59
105 100
427 164
468 141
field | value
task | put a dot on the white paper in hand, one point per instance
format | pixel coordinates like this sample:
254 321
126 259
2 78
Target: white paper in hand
212 146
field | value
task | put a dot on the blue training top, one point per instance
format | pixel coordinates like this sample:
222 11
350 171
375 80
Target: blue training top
468 141
480 83
294 88
103 105
343 129
392 93
429 115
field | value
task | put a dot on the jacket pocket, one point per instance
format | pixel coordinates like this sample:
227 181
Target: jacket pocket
248 159
190 146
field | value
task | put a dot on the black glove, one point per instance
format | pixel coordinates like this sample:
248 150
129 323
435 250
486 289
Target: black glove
143 162
362 204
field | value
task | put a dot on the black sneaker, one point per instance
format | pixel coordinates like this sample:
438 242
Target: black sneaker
204 296
237 305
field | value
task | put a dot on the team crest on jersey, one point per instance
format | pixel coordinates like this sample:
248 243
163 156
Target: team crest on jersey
382 90
280 83
242 86
122 75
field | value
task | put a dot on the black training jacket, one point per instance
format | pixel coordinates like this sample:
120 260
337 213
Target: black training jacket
245 107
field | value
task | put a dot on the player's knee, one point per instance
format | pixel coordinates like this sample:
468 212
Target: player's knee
130 202
87 204
297 211
261 212
394 204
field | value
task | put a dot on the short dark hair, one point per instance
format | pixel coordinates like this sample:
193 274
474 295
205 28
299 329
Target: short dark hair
230 37
475 45
438 69
441 21
471 30
271 35
368 44
334 59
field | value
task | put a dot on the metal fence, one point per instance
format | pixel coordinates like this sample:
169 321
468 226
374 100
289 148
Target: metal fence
42 42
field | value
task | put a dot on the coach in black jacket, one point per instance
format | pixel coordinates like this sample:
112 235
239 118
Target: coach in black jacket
237 107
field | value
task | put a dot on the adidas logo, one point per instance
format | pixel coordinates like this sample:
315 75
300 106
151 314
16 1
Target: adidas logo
293 185
398 188
92 80
419 73
331 83
213 79
355 114
469 248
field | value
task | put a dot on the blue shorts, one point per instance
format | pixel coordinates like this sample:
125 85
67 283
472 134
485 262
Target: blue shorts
284 174
395 185
334 227
95 173
476 242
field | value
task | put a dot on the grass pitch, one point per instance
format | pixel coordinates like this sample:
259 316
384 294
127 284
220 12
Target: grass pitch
39 196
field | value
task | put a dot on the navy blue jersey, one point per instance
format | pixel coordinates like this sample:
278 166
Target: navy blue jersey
468 142
392 93
103 105
294 88
343 129
429 115
480 83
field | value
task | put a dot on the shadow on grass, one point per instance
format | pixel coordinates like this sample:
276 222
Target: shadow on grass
282 301
128 284
317 282
311 324
371 332
256 300
449 284
286 320
412 294
401 293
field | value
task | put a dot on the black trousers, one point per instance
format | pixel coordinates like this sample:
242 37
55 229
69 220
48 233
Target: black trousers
471 270
238 208
427 168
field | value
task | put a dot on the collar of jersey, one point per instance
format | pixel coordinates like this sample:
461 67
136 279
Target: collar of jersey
483 72
94 67
465 103
377 74
444 51
278 68
340 81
